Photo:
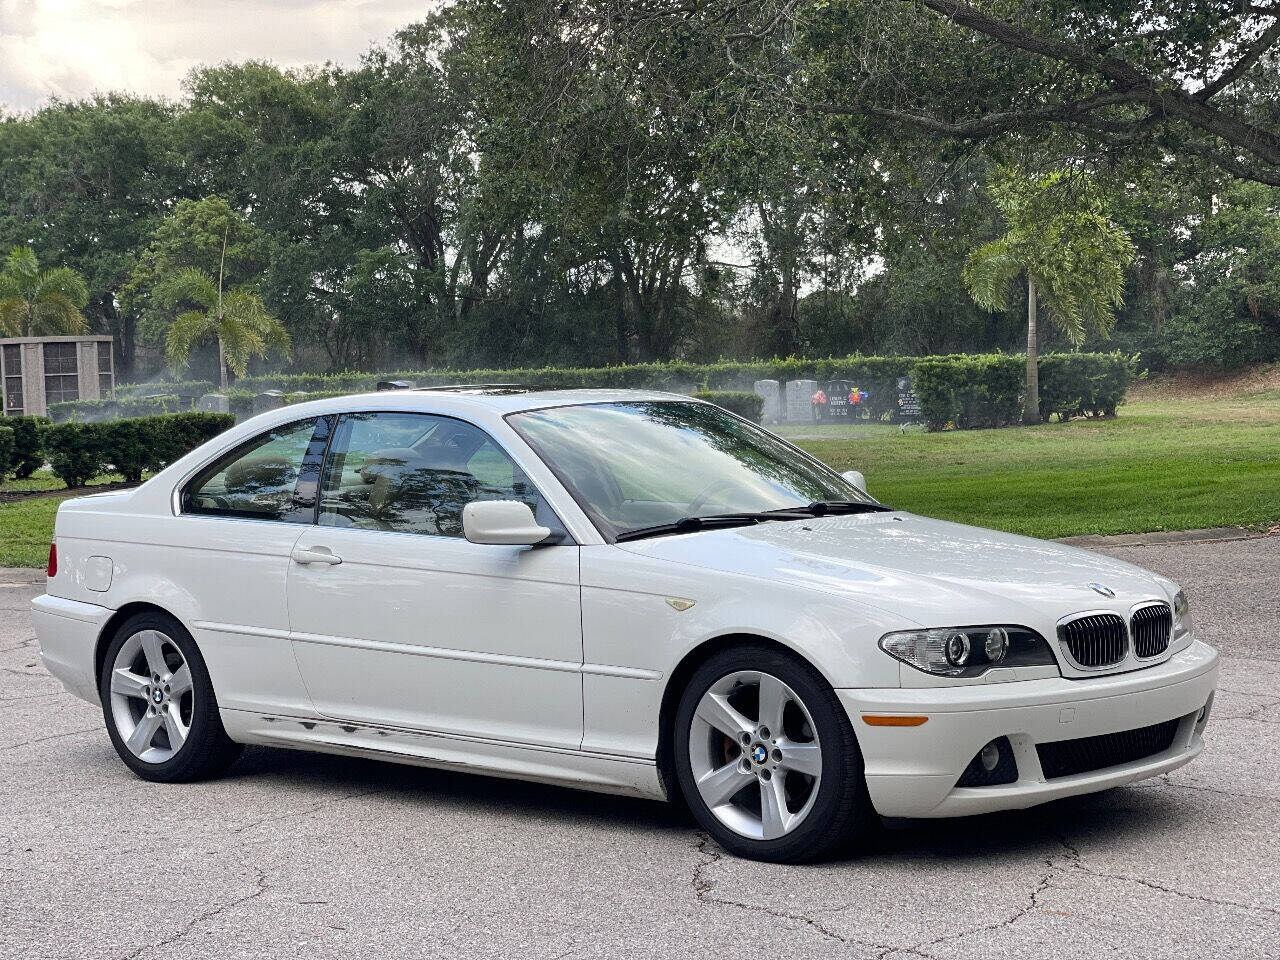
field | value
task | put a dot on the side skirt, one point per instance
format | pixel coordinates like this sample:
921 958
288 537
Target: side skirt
602 773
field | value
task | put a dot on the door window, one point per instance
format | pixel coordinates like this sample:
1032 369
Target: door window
272 477
414 472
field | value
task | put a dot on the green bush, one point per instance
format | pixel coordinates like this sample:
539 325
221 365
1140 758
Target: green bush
7 448
968 391
1084 384
181 388
90 410
28 439
744 404
78 452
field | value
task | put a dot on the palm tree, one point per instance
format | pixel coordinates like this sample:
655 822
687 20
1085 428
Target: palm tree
237 318
40 303
1072 257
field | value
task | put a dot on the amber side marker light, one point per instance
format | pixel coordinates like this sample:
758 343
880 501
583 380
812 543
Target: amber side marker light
892 720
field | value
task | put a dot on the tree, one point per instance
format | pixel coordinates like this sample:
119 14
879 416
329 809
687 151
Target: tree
1073 258
237 319
40 303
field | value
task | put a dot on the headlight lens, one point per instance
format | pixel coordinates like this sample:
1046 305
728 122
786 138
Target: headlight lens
1181 616
968 651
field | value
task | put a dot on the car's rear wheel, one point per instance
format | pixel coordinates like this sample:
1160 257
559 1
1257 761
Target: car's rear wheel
159 705
767 759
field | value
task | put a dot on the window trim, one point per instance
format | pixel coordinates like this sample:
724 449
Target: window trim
565 539
229 455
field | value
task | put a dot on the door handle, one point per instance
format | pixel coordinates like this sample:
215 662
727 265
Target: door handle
315 555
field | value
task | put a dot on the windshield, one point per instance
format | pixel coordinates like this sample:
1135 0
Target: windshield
633 466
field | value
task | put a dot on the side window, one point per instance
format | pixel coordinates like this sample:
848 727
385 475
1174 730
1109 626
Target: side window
413 473
272 477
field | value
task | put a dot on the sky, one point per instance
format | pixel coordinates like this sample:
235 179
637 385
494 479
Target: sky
74 48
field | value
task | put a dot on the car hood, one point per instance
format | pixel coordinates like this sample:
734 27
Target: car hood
932 572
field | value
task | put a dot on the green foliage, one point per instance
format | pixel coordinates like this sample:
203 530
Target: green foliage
7 449
237 319
28 434
1061 237
79 452
95 410
182 388
744 404
1084 384
39 303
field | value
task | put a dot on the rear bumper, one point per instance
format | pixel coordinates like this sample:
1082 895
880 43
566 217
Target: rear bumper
68 632
912 771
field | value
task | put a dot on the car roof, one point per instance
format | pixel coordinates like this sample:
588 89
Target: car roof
496 399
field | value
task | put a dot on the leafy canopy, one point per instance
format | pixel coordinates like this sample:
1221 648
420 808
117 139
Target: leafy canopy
1061 238
236 317
40 303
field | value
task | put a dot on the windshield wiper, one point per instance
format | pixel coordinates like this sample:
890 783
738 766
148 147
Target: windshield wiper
820 508
714 521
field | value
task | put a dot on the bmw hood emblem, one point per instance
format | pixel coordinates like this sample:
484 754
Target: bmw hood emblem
1103 589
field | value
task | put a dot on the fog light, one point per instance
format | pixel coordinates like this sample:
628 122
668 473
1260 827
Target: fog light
989 757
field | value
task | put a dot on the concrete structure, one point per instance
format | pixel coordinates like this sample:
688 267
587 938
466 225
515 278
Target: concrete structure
39 371
800 400
771 392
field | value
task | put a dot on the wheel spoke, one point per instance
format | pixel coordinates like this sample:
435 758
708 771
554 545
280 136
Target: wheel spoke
174 727
803 758
773 808
144 733
715 710
180 682
773 700
152 649
128 684
723 784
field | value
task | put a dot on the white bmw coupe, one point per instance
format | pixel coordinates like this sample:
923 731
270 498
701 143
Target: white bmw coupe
624 591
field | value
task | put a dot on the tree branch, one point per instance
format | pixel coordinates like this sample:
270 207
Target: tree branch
1260 46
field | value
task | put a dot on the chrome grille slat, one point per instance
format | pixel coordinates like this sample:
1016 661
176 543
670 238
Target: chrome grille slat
1095 640
1150 627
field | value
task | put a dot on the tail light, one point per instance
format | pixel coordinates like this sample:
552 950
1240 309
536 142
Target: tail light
52 570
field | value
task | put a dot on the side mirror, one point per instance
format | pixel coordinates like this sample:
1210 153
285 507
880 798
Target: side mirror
856 478
508 522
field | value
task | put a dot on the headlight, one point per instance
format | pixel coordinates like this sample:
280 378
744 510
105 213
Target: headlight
1181 616
968 651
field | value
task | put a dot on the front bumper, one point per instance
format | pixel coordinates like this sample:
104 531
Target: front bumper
68 632
912 771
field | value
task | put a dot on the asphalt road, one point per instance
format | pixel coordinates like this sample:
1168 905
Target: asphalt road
299 856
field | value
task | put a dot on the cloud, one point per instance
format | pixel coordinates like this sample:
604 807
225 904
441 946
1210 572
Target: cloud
73 48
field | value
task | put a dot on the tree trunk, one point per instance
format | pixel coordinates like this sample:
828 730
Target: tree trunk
1031 409
222 364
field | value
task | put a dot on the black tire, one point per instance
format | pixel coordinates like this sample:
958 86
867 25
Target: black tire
841 820
207 751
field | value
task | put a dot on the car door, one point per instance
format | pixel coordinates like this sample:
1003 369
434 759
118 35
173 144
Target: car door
397 620
228 552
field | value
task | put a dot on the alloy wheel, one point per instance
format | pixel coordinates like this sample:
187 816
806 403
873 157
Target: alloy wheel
152 696
754 754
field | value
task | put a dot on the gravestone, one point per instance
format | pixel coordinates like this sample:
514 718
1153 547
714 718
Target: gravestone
214 403
268 400
906 405
800 400
396 384
771 392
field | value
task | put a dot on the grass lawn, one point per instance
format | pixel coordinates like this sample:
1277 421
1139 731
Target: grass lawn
27 525
1162 464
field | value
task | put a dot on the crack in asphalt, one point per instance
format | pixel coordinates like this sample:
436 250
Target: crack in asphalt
703 887
54 736
260 887
1164 781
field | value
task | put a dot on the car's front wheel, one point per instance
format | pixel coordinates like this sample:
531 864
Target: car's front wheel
159 705
767 759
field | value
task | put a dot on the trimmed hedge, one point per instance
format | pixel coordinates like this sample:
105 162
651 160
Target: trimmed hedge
744 404
961 390
78 452
182 388
28 439
7 446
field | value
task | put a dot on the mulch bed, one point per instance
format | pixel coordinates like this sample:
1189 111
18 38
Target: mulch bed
15 496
